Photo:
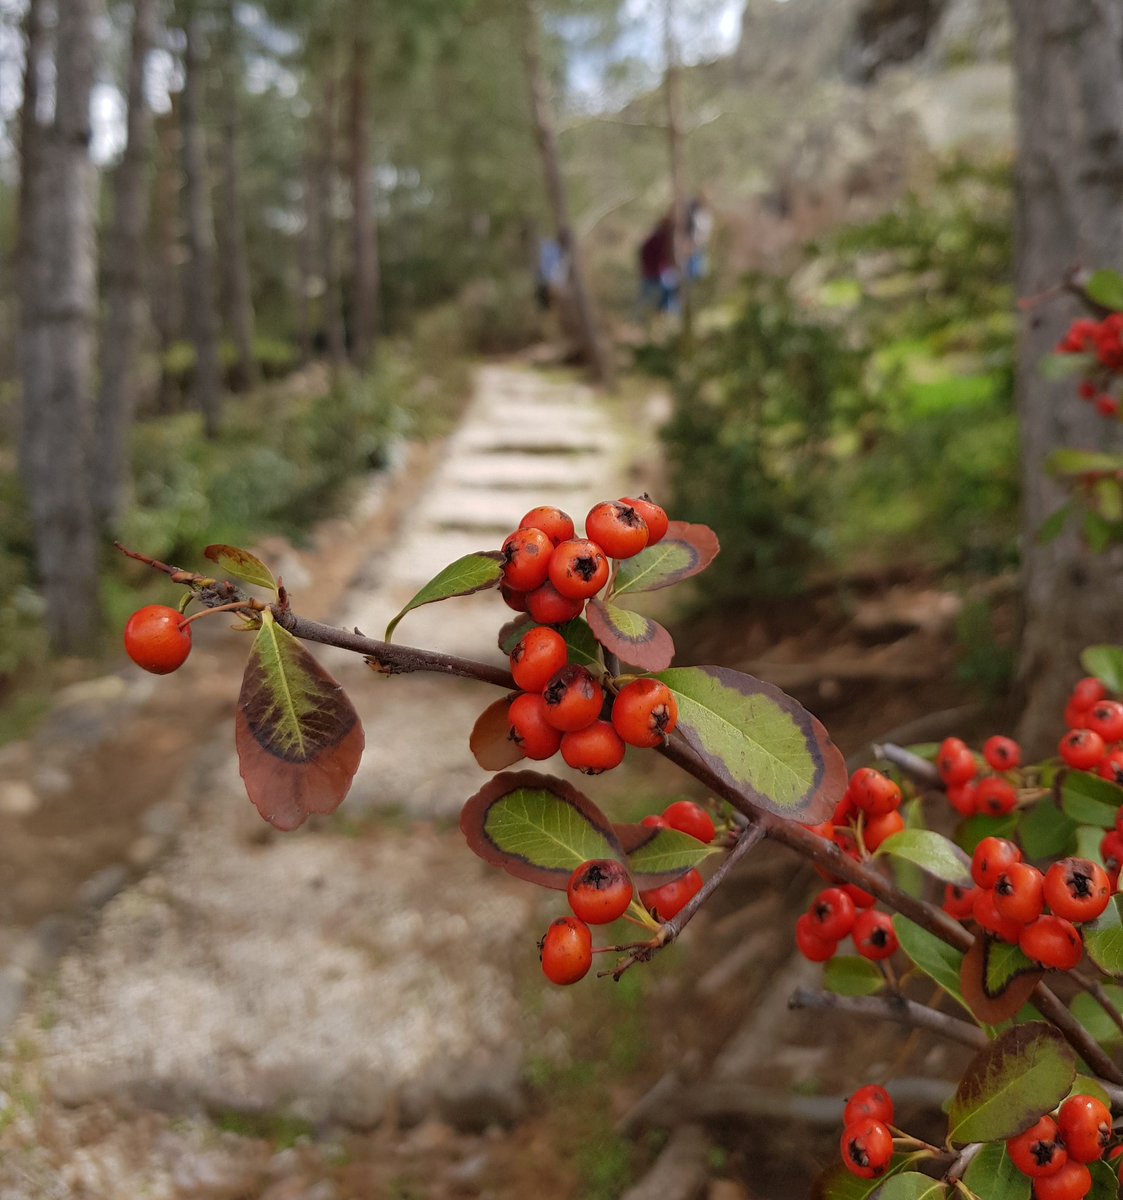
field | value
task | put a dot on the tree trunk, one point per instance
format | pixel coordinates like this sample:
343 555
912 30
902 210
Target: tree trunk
57 347
326 181
165 291
200 290
232 226
365 278
672 93
1069 67
124 288
543 119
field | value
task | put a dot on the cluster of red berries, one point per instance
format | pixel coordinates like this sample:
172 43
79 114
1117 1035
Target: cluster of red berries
1010 898
1103 342
158 638
1054 1152
1094 737
833 915
867 1142
970 792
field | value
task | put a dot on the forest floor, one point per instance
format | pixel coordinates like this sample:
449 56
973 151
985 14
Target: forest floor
197 1007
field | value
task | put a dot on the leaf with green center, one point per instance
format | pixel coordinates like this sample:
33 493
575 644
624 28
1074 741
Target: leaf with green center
490 740
242 565
1024 1073
849 975
1045 832
684 551
939 961
911 1185
1103 939
633 638
993 1175
665 854
472 573
1088 799
996 979
1105 288
759 741
931 851
1106 664
537 828
298 737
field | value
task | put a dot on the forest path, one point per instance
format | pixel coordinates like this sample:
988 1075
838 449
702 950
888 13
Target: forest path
363 969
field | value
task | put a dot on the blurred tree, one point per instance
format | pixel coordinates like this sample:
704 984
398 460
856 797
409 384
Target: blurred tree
364 228
1068 57
164 292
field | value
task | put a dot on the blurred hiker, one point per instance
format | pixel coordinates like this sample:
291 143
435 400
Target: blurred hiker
552 273
659 278
699 231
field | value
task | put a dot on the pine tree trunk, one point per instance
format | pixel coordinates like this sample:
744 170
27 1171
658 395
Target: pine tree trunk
672 95
57 347
1069 67
326 181
164 288
543 118
365 277
200 290
124 288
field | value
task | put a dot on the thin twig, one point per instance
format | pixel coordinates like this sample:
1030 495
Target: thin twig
893 1008
958 1168
912 764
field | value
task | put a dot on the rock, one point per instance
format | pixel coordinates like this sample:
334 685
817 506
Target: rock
481 1091
102 886
162 820
51 781
17 798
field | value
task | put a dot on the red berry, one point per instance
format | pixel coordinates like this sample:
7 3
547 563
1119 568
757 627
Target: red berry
961 796
539 655
593 749
513 598
1082 749
1002 753
995 796
1088 691
655 517
989 918
875 794
1085 1125
566 951
869 1101
672 897
861 898
1019 894
555 524
617 528
832 915
573 699
549 607
688 817
1106 719
600 891
579 569
874 935
157 639
1077 889
992 856
654 822
1111 766
1039 1151
954 762
877 829
526 559
845 810
1111 850
1072 1182
645 712
813 947
959 902
530 730
1053 942
867 1147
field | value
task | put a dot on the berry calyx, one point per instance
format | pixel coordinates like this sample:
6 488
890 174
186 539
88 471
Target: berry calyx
1019 894
555 524
1077 889
1002 753
566 950
594 748
157 639
617 528
1039 1151
655 517
959 902
538 656
1085 1125
645 712
578 568
666 901
691 818
871 1101
867 1147
600 891
573 699
526 559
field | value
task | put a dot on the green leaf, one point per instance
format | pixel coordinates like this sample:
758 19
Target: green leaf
1105 288
1088 839
1106 663
1045 832
633 638
298 737
472 573
1098 533
684 551
1003 962
1095 1020
910 1185
668 852
1106 497
909 877
997 979
537 828
514 631
992 1175
1105 1182
1085 1085
1053 526
1024 1073
931 851
242 565
939 961
1103 939
849 975
759 741
969 833
583 646
836 1182
1088 799
1083 462
1064 366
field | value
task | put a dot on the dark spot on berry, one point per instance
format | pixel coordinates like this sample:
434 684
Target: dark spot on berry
585 566
879 938
858 1153
1043 1152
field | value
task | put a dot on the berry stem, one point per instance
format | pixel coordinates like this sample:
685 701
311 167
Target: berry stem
958 1169
234 606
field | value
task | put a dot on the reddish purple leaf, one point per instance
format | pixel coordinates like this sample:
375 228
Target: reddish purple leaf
490 740
685 550
633 638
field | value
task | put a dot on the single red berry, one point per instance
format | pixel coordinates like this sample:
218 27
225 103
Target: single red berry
877 829
1077 889
989 918
157 639
959 902
1111 766
645 712
1002 753
513 598
1019 893
555 524
1106 718
871 1101
672 897
861 898
688 817
995 796
1088 691
617 528
833 914
992 856
875 794
1107 405
566 952
1085 1125
526 559
1111 850
1039 1151
845 810
867 1147
654 822
530 731
874 935
1053 942
655 517
573 699
1082 749
600 891
593 749
1072 1182
578 568
961 796
539 655
549 607
813 947
954 762
1074 715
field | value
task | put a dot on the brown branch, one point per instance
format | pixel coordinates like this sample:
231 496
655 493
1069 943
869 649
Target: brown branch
912 764
893 1008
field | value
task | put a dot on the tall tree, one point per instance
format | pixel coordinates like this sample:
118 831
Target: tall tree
365 271
57 343
199 220
1068 57
124 285
326 176
164 291
672 95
